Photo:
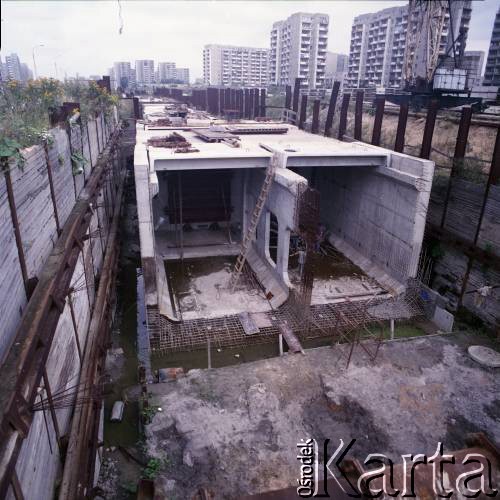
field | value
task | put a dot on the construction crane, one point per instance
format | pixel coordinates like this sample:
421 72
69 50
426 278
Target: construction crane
426 21
435 42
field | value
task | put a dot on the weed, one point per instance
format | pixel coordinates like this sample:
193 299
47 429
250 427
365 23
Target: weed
148 412
152 468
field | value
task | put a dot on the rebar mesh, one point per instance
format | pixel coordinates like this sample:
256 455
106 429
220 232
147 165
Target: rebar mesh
336 321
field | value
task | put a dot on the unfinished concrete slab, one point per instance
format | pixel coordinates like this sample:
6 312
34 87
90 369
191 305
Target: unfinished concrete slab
235 430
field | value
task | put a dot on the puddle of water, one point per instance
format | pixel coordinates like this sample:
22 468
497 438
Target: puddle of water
124 374
143 347
227 356
332 266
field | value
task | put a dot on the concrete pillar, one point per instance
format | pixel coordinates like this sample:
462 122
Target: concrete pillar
262 241
283 250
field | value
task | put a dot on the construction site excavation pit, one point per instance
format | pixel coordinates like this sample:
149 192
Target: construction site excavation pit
248 228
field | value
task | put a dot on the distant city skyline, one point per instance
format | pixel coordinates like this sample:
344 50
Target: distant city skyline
70 47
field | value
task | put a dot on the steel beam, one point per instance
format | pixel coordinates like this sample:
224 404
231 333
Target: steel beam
430 122
331 108
343 115
401 130
315 116
262 109
379 116
303 111
296 95
358 115
17 231
288 97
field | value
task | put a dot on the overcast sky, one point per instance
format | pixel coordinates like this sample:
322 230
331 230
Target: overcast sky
84 37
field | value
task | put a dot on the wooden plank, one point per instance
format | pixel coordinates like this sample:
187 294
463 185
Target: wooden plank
248 323
291 340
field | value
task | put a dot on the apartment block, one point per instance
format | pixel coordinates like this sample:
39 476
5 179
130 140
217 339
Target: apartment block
121 75
14 69
378 43
145 71
492 71
182 75
377 49
336 68
473 61
298 50
232 65
166 72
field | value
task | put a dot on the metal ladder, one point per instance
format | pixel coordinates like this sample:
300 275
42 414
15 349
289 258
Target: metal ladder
257 211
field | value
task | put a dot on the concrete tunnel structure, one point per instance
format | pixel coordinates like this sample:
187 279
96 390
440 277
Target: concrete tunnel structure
373 207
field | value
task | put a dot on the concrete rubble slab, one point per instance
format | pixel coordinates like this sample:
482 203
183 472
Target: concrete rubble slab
484 356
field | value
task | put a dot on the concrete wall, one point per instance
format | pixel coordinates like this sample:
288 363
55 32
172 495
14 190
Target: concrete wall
36 213
379 212
281 202
39 462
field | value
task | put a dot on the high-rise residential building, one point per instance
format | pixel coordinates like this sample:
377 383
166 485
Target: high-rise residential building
182 75
298 50
4 74
378 43
231 65
133 78
492 71
121 75
166 72
377 50
13 65
336 68
473 61
145 71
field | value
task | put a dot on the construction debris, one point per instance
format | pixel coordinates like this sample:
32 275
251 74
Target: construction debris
117 411
173 140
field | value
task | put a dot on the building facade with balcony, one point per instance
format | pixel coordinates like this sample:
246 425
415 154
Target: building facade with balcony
376 53
298 50
229 65
379 43
492 71
120 75
145 71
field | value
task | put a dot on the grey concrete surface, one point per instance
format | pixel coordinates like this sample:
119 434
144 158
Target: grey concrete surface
234 430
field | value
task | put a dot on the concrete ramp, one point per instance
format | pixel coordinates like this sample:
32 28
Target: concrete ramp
164 301
266 278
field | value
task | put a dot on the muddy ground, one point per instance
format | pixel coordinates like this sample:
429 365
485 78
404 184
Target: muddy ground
234 430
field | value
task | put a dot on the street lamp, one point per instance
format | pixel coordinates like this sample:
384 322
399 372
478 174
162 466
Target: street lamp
34 61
